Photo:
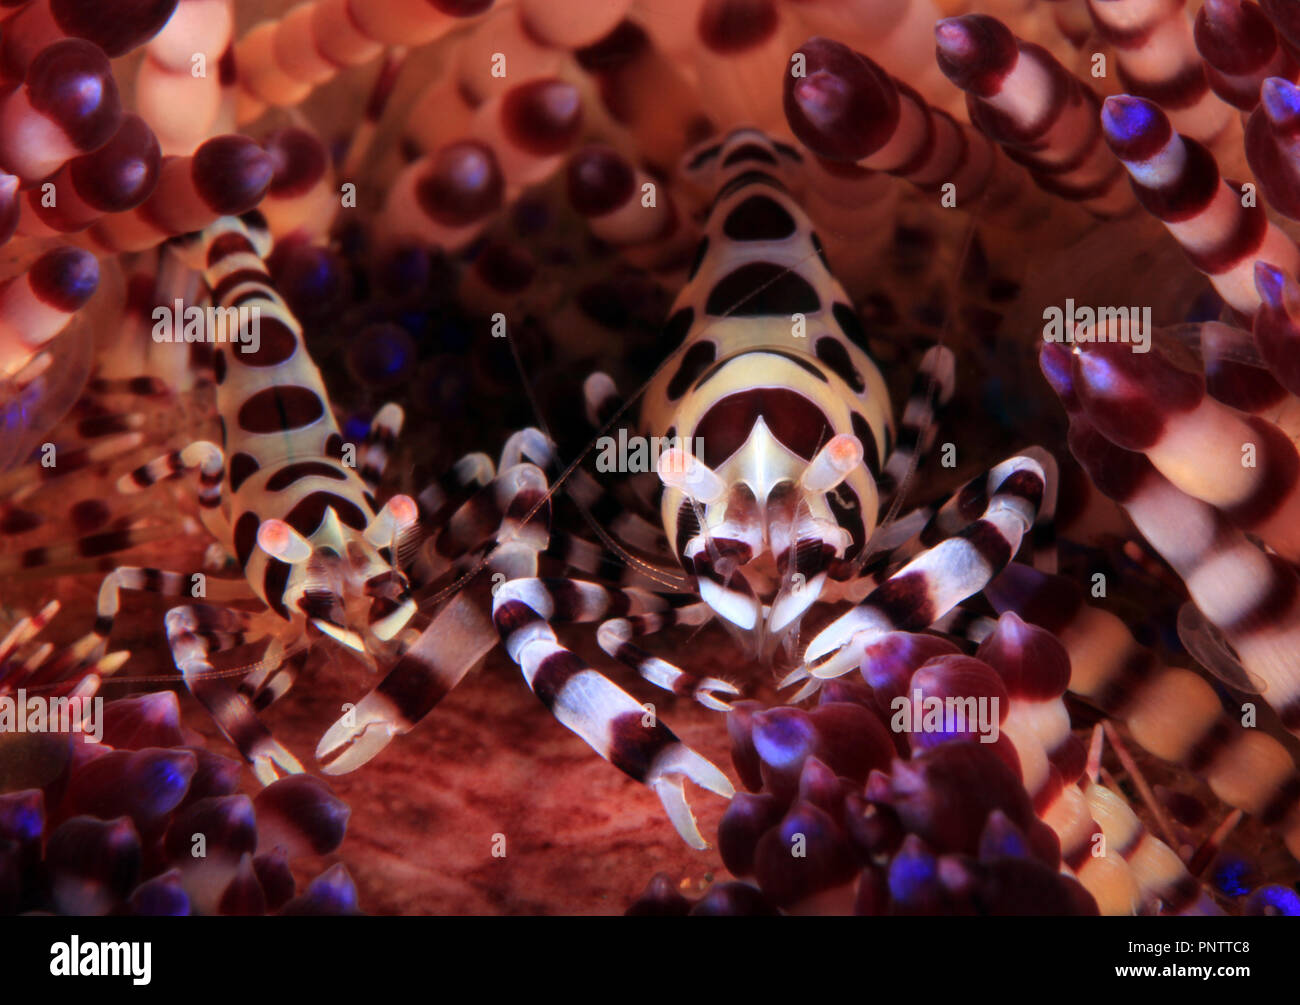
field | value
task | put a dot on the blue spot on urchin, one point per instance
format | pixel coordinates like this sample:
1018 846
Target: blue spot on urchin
356 427
911 874
1230 875
1127 119
414 322
1207 307
1274 900
24 823
1281 99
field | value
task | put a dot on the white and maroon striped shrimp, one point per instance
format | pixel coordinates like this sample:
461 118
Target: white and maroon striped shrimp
303 526
780 446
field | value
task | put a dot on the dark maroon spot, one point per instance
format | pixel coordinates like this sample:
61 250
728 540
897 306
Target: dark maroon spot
307 515
701 250
678 325
246 537
744 181
831 351
801 362
231 174
785 150
694 361
821 252
862 430
107 543
461 8
280 409
847 318
847 509
291 473
299 161
758 218
506 268
227 70
794 420
334 447
543 117
762 289
33 557
276 343
71 82
242 467
64 278
117 28
121 174
704 156
88 514
599 181
219 367
105 425
275 579
18 521
749 152
147 386
733 26
615 50
463 184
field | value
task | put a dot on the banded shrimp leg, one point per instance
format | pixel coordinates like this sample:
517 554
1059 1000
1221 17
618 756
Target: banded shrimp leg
477 530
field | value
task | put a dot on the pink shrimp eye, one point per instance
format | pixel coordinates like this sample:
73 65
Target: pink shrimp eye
844 450
273 536
403 509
